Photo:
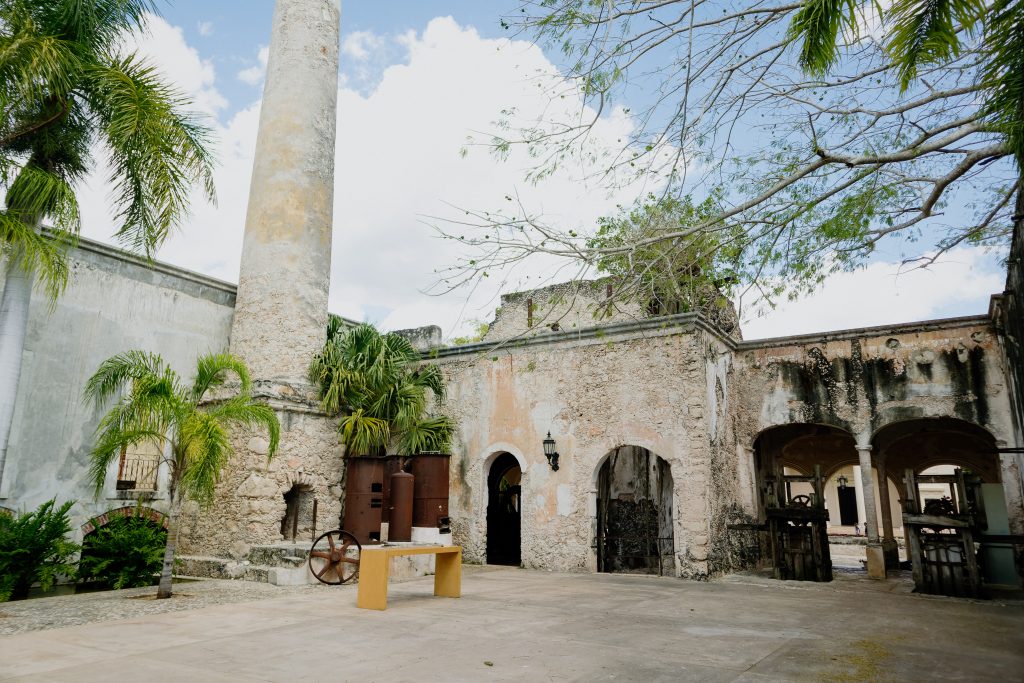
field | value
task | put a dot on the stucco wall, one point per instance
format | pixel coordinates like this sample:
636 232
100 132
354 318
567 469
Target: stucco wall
865 380
645 387
114 302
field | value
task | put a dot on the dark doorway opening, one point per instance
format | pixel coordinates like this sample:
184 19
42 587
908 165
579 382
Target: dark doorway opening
297 521
634 513
504 500
847 506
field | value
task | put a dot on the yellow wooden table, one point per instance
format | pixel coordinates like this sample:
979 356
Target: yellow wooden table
375 563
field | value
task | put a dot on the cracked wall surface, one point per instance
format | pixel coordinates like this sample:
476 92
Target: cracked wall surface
647 390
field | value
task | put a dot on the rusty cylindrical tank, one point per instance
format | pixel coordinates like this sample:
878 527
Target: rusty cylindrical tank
400 515
364 498
392 463
430 488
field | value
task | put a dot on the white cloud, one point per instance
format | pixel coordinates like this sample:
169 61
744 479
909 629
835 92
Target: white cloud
884 293
180 63
359 45
254 74
398 160
205 28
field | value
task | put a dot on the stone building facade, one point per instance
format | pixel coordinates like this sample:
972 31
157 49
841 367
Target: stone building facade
666 410
721 413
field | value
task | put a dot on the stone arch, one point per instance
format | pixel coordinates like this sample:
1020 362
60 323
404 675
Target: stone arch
801 445
127 511
504 493
921 443
634 512
496 450
646 444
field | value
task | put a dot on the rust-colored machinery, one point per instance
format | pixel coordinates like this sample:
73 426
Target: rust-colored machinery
797 528
430 489
401 491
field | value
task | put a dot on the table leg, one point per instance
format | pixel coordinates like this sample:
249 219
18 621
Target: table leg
448 574
373 580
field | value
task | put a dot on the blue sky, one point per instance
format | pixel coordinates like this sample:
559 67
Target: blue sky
420 80
231 32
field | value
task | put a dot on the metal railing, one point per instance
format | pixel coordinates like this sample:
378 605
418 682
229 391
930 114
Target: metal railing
138 472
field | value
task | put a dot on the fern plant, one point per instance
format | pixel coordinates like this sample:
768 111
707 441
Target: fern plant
126 553
34 548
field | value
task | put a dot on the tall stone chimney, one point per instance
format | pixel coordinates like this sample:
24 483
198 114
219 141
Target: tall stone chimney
281 309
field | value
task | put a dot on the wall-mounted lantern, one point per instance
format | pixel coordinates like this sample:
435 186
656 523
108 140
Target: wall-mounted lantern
550 453
842 481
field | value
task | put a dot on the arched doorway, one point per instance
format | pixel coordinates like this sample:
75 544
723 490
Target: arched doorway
810 515
941 456
504 504
634 513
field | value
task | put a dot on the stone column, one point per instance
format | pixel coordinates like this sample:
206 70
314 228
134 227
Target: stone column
890 549
281 309
280 316
859 491
875 557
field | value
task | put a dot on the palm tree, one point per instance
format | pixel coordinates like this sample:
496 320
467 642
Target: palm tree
66 89
192 430
377 384
920 33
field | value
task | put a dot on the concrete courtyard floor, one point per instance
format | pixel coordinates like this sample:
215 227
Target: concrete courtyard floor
514 624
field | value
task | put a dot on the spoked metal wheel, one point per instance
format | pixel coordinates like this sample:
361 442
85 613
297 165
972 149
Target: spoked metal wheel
334 557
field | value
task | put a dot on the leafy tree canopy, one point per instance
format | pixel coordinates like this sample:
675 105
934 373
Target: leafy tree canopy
821 130
67 89
379 386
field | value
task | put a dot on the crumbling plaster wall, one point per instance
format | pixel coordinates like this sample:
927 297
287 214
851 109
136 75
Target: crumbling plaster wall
114 302
562 307
250 503
864 380
647 388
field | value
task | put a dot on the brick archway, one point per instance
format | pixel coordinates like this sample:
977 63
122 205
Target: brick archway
127 511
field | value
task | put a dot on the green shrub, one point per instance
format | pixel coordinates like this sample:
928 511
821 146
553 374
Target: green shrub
126 553
33 548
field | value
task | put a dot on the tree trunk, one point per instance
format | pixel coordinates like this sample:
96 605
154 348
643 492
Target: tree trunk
13 326
167 572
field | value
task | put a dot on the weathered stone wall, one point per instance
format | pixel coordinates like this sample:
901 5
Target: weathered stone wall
114 302
865 380
563 307
644 387
1011 307
250 503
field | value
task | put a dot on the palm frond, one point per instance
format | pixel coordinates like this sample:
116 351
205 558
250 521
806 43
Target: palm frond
431 377
427 434
34 66
204 446
37 253
1003 74
125 368
817 24
213 370
925 32
36 194
109 444
362 434
97 23
402 405
158 152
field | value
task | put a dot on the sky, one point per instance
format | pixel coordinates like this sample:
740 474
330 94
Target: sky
420 80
